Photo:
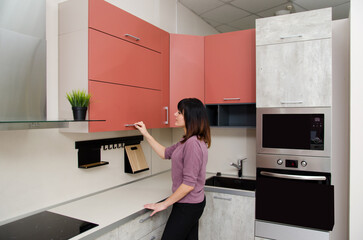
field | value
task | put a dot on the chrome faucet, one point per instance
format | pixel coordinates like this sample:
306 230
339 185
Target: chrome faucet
239 166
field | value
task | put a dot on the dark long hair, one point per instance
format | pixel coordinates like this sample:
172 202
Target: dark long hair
196 120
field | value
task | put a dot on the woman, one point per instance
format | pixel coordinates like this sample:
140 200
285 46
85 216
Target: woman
188 168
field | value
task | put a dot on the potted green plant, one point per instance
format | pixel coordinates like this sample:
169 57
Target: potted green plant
79 101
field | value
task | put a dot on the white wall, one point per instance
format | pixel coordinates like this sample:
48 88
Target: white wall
356 120
38 168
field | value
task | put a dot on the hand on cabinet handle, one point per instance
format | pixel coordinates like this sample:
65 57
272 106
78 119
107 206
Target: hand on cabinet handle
167 116
129 35
144 219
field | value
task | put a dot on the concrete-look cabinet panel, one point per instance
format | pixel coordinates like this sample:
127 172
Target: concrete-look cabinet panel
302 26
227 216
294 60
142 227
295 74
156 234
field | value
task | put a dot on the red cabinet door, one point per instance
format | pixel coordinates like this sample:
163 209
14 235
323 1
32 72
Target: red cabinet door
186 70
120 105
115 21
230 74
117 61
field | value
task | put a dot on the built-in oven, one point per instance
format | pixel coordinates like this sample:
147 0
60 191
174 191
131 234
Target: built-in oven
294 197
294 131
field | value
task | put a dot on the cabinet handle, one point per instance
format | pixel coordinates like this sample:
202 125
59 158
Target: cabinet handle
222 198
291 102
167 116
292 36
231 99
153 238
144 219
129 125
129 35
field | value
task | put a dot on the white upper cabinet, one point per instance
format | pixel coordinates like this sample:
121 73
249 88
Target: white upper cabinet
294 61
302 26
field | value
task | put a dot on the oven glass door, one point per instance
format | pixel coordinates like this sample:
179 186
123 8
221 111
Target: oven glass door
293 131
287 197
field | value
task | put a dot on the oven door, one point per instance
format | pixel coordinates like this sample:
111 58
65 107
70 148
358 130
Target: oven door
296 198
294 131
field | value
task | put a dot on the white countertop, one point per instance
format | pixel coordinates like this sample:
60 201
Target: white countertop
116 206
112 206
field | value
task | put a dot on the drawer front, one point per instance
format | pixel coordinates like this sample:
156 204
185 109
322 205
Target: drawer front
156 234
121 105
115 21
302 26
143 226
117 61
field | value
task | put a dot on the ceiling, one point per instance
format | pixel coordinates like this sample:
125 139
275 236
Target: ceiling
234 15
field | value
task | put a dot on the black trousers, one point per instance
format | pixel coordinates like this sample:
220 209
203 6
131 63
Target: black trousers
183 221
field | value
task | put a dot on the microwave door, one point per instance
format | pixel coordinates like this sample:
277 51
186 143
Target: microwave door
293 132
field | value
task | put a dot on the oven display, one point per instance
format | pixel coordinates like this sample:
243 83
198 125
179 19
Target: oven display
292 163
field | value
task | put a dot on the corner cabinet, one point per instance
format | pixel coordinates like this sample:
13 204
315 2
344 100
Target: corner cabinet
121 60
230 68
227 216
186 70
294 60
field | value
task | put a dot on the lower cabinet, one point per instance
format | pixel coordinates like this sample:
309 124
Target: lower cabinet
156 234
227 216
143 227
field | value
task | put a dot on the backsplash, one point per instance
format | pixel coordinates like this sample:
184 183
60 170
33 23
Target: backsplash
229 145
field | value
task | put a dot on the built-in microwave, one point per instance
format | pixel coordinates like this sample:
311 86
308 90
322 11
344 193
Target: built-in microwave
294 131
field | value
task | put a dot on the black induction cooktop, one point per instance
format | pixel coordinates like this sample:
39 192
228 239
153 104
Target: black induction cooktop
44 226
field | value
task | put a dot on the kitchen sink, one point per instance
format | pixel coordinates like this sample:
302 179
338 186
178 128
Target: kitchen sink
230 182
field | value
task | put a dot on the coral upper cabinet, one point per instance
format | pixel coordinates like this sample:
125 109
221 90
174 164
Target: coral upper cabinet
120 59
186 70
230 73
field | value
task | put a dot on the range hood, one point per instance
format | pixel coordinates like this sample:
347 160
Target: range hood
23 66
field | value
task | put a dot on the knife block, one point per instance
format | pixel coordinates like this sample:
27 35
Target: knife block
135 161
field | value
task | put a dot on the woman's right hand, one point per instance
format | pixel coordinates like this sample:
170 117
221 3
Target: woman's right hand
157 147
141 127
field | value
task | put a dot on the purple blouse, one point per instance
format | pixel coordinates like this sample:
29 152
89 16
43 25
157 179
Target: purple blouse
188 166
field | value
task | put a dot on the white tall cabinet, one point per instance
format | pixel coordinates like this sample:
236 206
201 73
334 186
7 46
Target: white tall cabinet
302 60
294 60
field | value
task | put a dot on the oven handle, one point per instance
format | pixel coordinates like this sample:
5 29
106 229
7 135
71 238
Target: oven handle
295 177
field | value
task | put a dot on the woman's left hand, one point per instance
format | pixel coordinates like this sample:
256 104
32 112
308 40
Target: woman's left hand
157 207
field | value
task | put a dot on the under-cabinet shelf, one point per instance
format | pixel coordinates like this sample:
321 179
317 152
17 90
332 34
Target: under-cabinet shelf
96 164
38 124
232 115
89 151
